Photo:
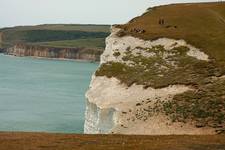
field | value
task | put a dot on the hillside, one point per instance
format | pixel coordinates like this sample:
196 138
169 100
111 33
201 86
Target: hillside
66 41
202 25
166 71
49 33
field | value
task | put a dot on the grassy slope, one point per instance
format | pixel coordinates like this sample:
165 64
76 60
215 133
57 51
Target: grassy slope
54 32
87 42
39 141
63 27
199 24
202 25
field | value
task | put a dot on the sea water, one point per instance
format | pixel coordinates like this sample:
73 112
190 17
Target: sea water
38 95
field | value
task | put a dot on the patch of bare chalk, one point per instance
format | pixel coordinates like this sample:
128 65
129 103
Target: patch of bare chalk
121 44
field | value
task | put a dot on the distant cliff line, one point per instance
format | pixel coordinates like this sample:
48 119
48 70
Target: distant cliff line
63 41
24 50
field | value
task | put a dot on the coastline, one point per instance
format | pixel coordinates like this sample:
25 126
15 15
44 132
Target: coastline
55 59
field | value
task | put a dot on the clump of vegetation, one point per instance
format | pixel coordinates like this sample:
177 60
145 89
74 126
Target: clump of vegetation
121 33
206 106
116 54
158 72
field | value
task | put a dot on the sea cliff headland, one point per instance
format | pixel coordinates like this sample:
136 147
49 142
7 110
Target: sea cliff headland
162 74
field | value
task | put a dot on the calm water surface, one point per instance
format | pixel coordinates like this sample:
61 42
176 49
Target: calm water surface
43 95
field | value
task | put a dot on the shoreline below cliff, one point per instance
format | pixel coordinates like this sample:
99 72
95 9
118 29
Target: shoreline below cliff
55 59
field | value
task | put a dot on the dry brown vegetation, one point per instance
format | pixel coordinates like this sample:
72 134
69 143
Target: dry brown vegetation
44 141
202 25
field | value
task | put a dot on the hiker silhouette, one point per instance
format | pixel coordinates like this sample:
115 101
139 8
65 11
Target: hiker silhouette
161 21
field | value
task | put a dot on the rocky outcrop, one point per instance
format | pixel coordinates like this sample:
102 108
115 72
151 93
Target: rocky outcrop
1 39
115 106
52 52
2 50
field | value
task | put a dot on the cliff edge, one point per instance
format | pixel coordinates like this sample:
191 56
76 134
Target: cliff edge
162 73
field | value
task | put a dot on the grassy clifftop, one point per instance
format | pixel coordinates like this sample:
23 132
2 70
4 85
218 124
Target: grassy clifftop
201 24
56 34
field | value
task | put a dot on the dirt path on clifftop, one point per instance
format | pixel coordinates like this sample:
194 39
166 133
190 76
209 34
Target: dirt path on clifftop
44 141
221 19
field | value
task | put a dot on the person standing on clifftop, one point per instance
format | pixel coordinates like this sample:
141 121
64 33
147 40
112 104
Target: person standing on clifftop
161 21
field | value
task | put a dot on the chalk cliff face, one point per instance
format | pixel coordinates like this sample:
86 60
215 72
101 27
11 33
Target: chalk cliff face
115 107
49 52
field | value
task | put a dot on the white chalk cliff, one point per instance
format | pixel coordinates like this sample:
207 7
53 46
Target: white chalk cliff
113 107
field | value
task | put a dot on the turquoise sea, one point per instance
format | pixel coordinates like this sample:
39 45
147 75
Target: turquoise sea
41 95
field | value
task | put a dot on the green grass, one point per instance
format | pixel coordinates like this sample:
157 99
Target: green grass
33 36
54 32
62 27
95 43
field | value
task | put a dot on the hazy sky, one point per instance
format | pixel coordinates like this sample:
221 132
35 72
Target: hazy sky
29 12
